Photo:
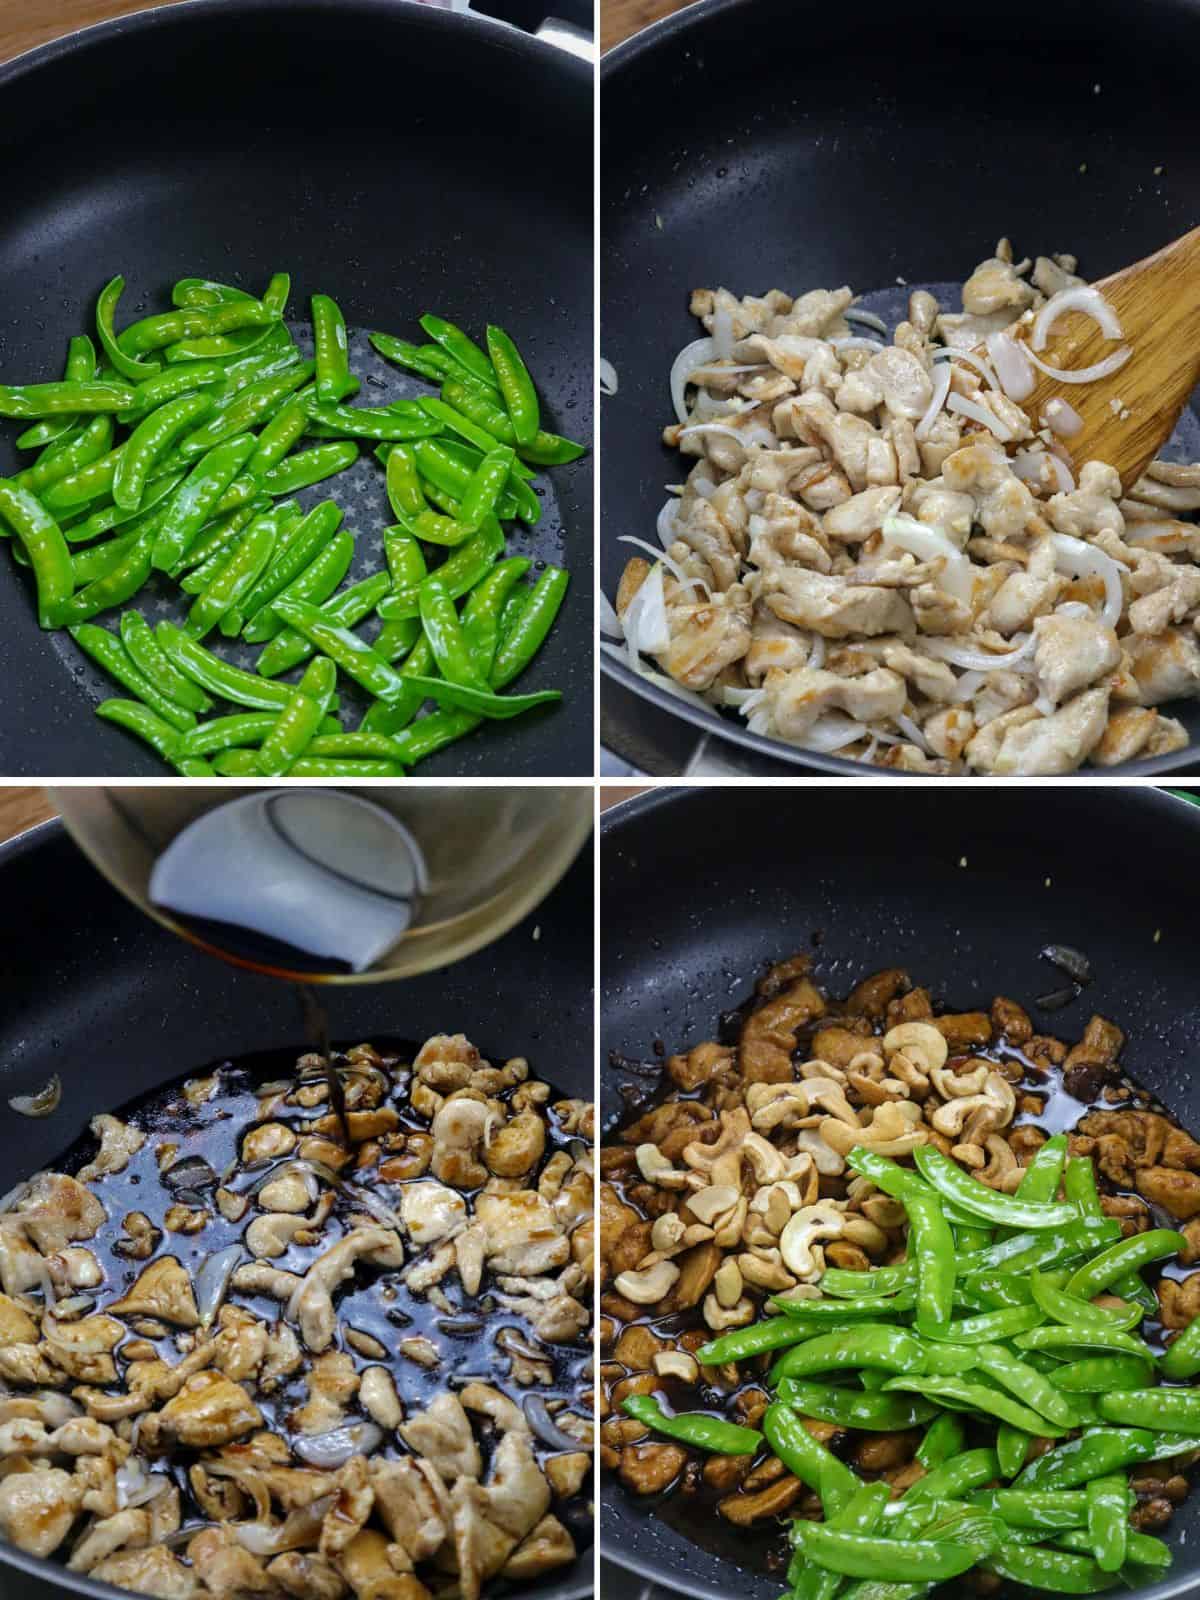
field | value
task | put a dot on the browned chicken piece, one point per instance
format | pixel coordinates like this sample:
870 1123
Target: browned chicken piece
163 1290
1179 1303
155 1571
57 1210
769 1034
37 1509
1092 1062
776 1498
699 1066
1176 1192
1132 1213
307 1576
209 1410
226 1567
549 1545
968 1030
651 1468
1011 1021
871 997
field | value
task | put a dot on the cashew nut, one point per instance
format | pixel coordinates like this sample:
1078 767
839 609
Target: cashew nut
764 1269
727 1284
822 1221
862 1231
919 1042
1002 1170
677 1364
271 1234
883 1211
666 1236
826 1161
735 1125
892 1131
719 1317
953 1085
648 1287
656 1168
713 1202
970 1155
768 1163
995 1106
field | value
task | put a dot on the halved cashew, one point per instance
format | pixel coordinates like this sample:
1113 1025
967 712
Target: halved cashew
826 1160
794 1105
656 1168
645 1288
776 1203
677 1364
996 1105
822 1069
862 1231
769 1163
713 1202
892 1131
666 1236
970 1155
735 1125
952 1085
1002 1170
720 1317
913 1050
727 1284
822 1221
878 1091
728 1229
764 1269
883 1211
270 1235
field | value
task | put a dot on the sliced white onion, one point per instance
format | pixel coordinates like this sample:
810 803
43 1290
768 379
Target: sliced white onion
739 699
608 377
707 374
1080 297
334 1449
912 733
212 1281
371 1202
931 544
42 1103
135 1486
659 679
722 333
949 356
540 1420
867 318
850 342
1084 560
697 354
1062 418
968 685
672 566
961 655
816 653
646 618
1102 369
834 730
1012 366
665 524
610 622
1073 608
942 374
980 414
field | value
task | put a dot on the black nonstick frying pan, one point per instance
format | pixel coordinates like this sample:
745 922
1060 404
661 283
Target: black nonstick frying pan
963 888
755 144
398 157
93 990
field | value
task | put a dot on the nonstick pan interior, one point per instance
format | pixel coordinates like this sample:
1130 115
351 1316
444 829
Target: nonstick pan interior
93 990
399 158
963 888
751 147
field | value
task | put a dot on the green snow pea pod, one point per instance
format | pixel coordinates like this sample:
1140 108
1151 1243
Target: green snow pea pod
1060 1336
302 549
1128 1255
225 733
220 677
807 1458
1142 1549
516 386
286 428
375 422
481 614
880 1589
1079 1186
353 746
546 449
486 484
880 1412
1042 1176
1182 1356
248 408
435 529
1075 1313
62 461
479 439
404 492
111 516
236 764
1109 1502
149 441
1093 1454
517 500
80 368
390 719
315 584
91 482
955 1477
100 559
535 621
354 771
275 296
195 767
932 1246
353 655
1023 1252
273 351
309 467
869 1556
841 1283
862 1513
1045 1509
960 1394
150 658
464 352
335 381
344 610
969 1239
108 652
1052 1570
433 733
197 499
120 583
1095 1374
439 619
1026 1383
943 1439
458 574
43 542
406 565
1168 1410
417 358
237 575
106 310
953 1184
814 1313
1012 1448
192 322
169 385
867 1345
694 1427
145 724
997 1291
297 724
205 292
218 540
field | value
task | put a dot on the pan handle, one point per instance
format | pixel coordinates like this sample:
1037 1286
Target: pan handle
568 28
568 36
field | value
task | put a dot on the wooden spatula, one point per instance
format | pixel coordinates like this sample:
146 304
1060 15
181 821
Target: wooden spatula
1129 415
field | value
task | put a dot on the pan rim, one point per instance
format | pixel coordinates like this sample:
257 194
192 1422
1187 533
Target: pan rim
54 1575
1154 803
624 55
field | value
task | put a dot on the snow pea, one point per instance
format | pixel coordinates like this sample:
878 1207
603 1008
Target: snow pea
862 1513
286 428
1093 1454
120 583
807 1458
694 1427
435 529
168 385
1012 1449
458 574
516 386
1095 1374
1027 1383
33 400
485 486
149 656
218 676
1059 1336
404 492
476 438
439 619
931 1245
546 449
518 649
43 542
314 585
63 460
354 771
1042 1176
100 559
1075 1313
219 541
869 1556
237 575
375 422
297 724
353 655
420 359
867 1345
309 467
880 1412
432 733
1109 1502
943 1439
1127 1255
108 652
1168 1410
481 614
80 368
1182 1356
138 719
302 549
197 498
1142 1549
224 733
960 1394
148 442
335 381
106 310
247 409
463 351
1052 1570
192 322
1047 1510
344 746
953 1184
953 1478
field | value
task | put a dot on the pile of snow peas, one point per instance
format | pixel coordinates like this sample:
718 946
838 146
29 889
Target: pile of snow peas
1035 1397
173 450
